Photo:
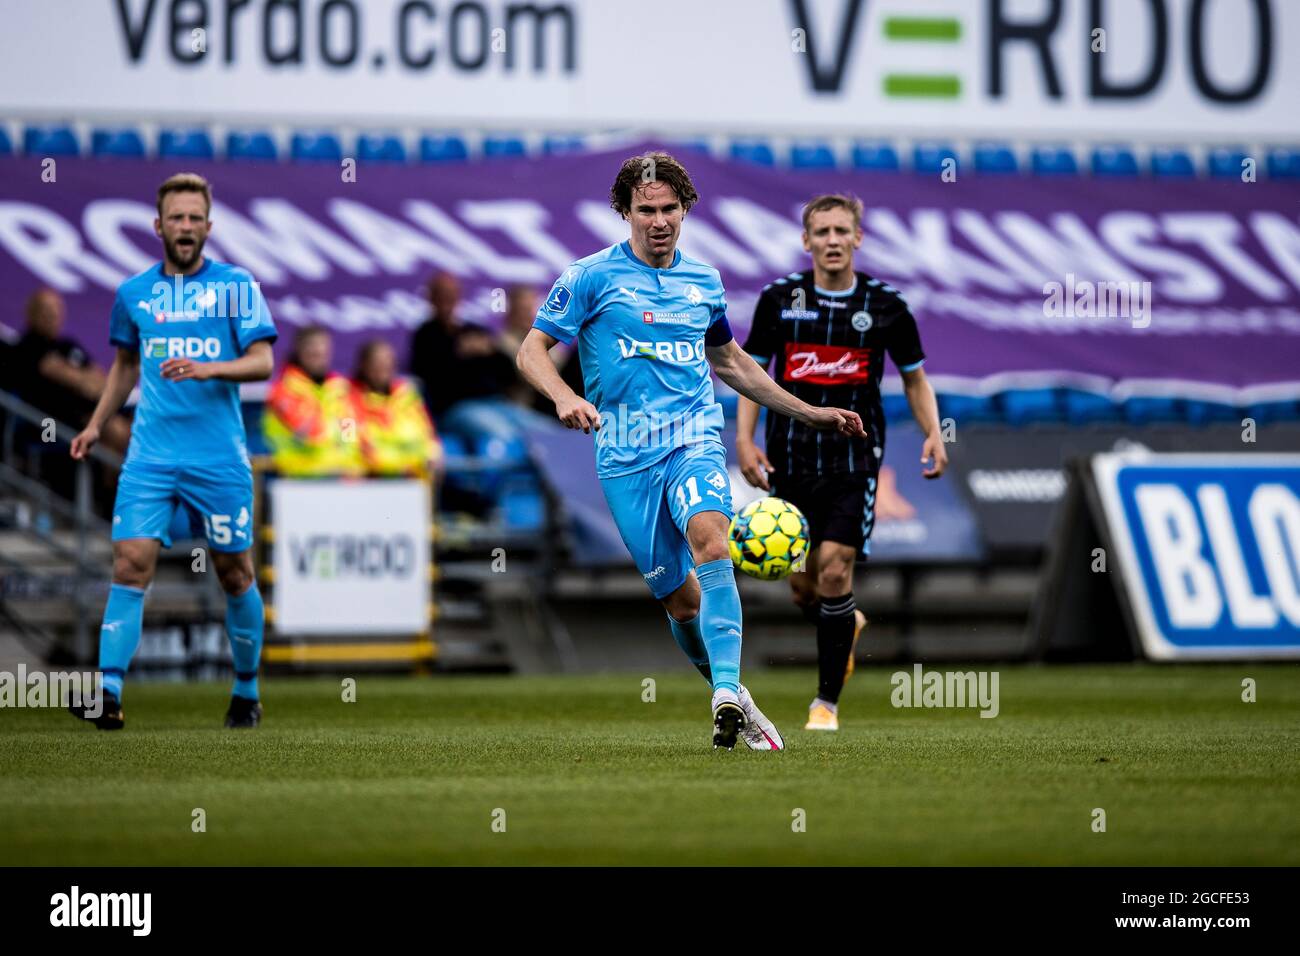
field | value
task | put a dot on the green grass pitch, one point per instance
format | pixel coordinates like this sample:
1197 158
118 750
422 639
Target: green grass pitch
588 773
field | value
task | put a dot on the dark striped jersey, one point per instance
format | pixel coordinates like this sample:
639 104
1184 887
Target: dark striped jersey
828 348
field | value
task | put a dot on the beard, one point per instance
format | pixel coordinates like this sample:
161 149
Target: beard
183 256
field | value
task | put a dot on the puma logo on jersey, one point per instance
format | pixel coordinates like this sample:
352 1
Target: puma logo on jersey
630 293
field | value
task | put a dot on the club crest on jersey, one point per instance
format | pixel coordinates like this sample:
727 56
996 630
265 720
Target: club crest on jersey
693 295
861 321
559 299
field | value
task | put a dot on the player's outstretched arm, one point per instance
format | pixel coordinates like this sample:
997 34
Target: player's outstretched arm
754 464
925 409
255 365
122 377
737 369
535 365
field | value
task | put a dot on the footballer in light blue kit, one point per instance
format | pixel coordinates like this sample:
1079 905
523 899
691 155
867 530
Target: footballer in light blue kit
649 324
189 330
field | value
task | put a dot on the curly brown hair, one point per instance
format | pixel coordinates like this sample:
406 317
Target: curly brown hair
657 166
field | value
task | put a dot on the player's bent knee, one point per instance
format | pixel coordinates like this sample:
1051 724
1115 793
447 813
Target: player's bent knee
681 611
835 579
236 580
132 567
711 551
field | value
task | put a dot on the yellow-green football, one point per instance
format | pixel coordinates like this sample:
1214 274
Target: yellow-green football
768 539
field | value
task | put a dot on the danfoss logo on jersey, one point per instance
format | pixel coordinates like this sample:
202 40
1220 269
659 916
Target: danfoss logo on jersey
826 364
678 353
165 347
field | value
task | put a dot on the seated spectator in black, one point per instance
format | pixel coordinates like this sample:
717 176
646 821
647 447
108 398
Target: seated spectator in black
454 360
55 374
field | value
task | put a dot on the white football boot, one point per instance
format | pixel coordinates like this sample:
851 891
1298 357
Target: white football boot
728 718
759 733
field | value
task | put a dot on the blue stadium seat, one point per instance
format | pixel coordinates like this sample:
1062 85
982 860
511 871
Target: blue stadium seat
878 157
1086 408
453 447
563 145
503 147
812 156
500 460
116 142
443 149
523 505
6 147
378 148
1114 161
1205 413
251 144
1265 412
315 147
1147 410
964 409
1053 161
896 407
1224 162
251 412
1172 164
1283 162
1025 406
753 151
929 157
690 146
185 144
995 158
50 141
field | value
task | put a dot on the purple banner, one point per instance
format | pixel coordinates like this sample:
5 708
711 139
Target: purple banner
1185 287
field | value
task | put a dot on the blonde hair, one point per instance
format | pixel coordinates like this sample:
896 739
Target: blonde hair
833 201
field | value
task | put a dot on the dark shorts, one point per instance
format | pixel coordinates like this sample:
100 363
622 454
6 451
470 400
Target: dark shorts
839 508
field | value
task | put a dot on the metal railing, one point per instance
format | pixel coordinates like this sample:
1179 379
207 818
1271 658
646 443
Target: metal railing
79 512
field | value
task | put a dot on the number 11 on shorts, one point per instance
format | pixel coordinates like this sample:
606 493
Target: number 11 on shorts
690 484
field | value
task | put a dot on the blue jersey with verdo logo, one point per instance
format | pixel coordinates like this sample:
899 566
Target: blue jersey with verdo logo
641 335
213 315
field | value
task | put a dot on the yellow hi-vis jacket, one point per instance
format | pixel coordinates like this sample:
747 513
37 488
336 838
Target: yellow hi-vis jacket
310 428
397 437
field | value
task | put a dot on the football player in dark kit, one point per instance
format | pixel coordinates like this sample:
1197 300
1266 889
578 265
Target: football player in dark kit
827 331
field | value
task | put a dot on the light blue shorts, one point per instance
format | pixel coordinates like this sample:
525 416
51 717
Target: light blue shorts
216 497
653 506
